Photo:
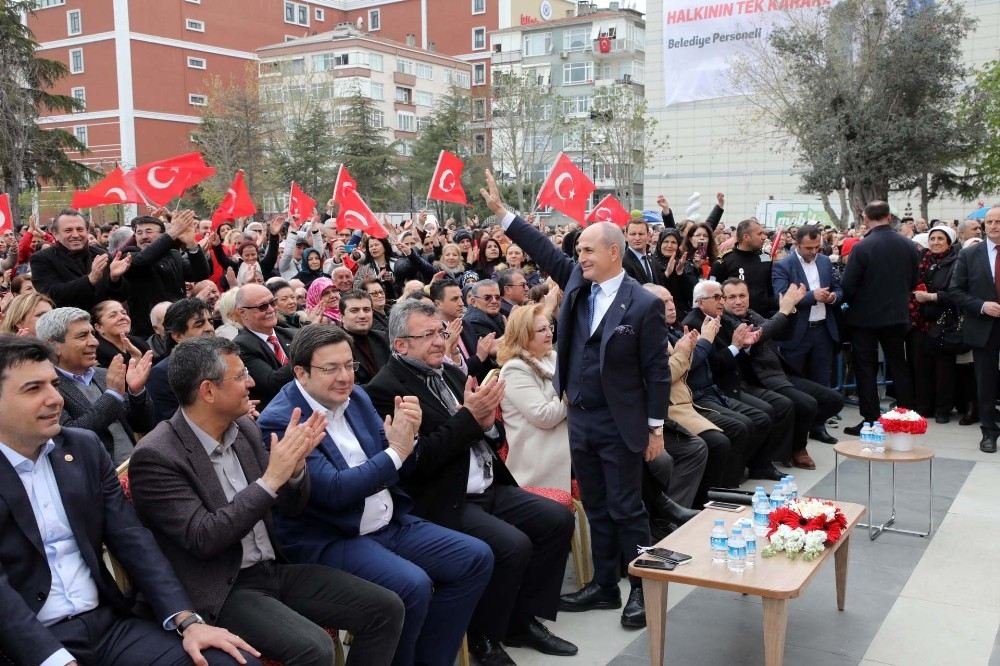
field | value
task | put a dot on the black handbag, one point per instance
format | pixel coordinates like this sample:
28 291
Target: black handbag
945 335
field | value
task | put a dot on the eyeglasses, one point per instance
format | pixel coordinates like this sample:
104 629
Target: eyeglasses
429 334
376 292
262 307
520 284
490 298
241 377
550 328
714 297
331 370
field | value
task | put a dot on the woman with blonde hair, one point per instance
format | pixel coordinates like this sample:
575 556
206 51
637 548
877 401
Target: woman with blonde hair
534 415
451 261
20 315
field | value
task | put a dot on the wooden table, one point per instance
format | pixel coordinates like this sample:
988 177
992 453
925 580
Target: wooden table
775 579
853 449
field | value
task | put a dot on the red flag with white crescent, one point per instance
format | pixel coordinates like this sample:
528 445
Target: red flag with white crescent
567 189
300 204
236 203
609 209
112 189
446 183
6 215
354 213
163 180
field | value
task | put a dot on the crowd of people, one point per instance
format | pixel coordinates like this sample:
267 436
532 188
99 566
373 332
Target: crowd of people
282 429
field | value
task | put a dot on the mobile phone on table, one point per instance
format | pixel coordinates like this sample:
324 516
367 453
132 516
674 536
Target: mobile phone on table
667 554
724 506
660 565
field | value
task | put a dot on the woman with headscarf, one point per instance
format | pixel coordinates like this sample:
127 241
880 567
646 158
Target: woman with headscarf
672 270
323 302
931 303
312 267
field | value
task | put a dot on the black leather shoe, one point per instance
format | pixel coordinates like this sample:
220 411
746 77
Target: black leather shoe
988 443
634 613
854 431
770 473
971 415
538 637
664 507
821 435
590 597
942 418
489 652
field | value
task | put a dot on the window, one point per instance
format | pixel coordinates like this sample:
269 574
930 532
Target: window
425 71
423 123
404 148
576 73
80 95
197 100
296 14
196 63
294 66
577 39
194 25
454 77
405 66
479 109
538 44
76 61
269 68
404 95
45 4
479 74
479 144
424 98
319 14
80 132
378 91
194 2
375 62
478 39
74 23
374 20
478 6
378 118
406 122
577 105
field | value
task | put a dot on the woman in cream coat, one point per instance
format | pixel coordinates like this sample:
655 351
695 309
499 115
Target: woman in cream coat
533 414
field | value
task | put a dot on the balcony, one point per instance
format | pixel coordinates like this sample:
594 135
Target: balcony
505 57
619 47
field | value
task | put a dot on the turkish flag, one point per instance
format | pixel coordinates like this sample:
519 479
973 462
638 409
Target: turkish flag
300 204
446 183
113 189
161 181
567 189
354 213
604 45
236 203
6 215
609 210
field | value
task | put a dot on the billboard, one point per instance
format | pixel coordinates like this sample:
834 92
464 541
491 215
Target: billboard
701 40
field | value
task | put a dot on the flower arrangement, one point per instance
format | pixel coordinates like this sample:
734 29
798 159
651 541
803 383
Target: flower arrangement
804 527
904 421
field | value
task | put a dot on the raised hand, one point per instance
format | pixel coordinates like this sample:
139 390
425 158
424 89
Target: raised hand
491 194
710 328
138 372
276 223
720 198
402 427
454 328
685 346
662 202
744 336
120 265
97 268
486 345
287 454
115 379
231 278
482 401
791 298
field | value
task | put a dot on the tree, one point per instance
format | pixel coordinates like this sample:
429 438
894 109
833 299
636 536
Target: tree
981 107
448 128
866 91
28 153
621 136
525 120
307 155
366 150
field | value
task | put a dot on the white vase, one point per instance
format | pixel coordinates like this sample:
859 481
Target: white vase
899 441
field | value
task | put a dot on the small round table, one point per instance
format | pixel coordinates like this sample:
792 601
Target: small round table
852 449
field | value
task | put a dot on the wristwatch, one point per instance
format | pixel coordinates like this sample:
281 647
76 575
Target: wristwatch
193 618
656 431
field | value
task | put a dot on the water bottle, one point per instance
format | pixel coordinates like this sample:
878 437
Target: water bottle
719 541
878 438
777 499
737 551
761 515
751 540
791 488
866 436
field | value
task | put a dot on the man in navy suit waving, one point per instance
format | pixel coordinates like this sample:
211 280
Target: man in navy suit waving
612 369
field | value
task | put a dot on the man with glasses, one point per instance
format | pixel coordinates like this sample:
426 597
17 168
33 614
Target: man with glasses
514 289
206 487
457 480
263 344
483 315
357 518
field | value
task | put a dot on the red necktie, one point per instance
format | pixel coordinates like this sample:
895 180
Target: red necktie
279 353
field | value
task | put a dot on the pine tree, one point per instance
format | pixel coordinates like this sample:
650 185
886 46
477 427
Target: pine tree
448 128
366 150
307 157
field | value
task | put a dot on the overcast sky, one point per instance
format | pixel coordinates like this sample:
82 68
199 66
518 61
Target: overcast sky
635 4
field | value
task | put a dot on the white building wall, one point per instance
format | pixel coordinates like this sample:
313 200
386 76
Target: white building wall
714 145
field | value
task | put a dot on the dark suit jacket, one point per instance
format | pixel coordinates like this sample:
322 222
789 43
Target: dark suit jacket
98 514
789 271
878 280
437 473
160 394
633 266
476 324
971 286
268 375
135 414
62 276
378 344
724 369
158 273
635 372
337 500
177 493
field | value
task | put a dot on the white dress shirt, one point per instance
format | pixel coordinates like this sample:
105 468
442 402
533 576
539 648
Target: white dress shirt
818 311
378 507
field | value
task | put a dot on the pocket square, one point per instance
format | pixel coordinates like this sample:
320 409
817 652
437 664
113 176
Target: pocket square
624 329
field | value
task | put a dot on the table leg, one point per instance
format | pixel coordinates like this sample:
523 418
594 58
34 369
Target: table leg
654 593
871 516
836 476
775 623
930 495
840 569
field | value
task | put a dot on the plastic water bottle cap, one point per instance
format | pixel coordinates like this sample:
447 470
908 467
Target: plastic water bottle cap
720 521
738 530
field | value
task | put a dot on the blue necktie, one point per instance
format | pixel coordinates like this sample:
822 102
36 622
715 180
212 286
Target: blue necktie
595 289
